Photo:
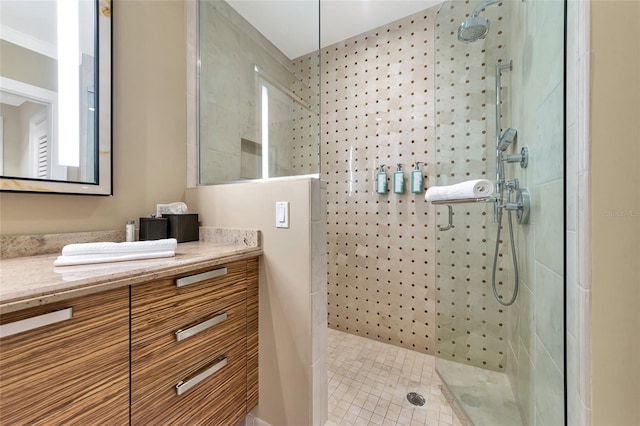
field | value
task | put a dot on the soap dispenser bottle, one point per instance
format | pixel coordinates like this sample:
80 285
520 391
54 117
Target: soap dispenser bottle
417 183
398 180
381 180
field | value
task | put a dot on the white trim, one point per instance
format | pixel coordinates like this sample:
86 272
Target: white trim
47 97
34 92
252 420
583 231
28 42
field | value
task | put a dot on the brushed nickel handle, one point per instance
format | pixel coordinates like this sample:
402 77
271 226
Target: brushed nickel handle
183 387
183 334
32 323
192 279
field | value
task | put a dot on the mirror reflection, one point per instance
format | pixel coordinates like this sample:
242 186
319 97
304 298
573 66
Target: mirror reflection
49 91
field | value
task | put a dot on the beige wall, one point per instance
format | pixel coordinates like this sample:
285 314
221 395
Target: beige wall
615 212
28 66
292 367
149 131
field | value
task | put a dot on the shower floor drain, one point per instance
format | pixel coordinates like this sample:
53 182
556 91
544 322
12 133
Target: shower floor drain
415 399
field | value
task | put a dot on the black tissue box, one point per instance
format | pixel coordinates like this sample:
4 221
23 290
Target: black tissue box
153 228
183 227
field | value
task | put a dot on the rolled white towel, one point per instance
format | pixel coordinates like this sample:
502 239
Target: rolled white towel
112 257
478 188
167 244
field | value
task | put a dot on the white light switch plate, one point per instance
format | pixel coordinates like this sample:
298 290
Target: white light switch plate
282 214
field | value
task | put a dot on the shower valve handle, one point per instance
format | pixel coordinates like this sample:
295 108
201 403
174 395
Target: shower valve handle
512 206
522 158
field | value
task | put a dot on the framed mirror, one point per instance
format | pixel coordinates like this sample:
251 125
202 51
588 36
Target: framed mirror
55 96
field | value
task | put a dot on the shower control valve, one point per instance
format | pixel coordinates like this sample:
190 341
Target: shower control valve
522 206
512 185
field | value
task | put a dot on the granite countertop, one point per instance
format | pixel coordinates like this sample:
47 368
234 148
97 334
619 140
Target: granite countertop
33 280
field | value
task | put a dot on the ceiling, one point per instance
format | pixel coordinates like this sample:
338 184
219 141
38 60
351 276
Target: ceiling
292 25
33 18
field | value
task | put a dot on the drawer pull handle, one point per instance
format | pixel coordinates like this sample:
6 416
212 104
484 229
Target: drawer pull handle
192 279
183 334
32 323
183 387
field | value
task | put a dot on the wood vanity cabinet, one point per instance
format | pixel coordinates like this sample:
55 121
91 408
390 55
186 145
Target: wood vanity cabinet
74 370
194 347
176 351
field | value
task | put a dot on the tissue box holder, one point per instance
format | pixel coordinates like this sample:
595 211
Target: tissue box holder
183 227
153 228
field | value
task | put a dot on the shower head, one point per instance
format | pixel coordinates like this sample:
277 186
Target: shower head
475 27
507 137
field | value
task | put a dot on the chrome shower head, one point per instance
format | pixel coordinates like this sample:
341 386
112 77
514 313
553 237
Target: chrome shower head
473 28
507 137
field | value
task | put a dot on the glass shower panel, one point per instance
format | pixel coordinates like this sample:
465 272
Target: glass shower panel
485 351
288 133
239 67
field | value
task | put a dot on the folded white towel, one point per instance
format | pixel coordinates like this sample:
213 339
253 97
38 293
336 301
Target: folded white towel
478 188
120 248
112 257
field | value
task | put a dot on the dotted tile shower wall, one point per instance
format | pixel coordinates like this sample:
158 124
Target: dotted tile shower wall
305 137
377 107
471 325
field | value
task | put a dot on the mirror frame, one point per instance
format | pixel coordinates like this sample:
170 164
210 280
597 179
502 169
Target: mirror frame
104 184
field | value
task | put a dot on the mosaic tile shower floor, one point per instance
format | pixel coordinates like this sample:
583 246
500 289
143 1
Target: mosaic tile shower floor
369 382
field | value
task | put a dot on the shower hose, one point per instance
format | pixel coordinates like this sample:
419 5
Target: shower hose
513 255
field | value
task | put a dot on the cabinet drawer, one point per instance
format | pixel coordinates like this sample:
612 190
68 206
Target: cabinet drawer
161 306
75 371
161 362
215 400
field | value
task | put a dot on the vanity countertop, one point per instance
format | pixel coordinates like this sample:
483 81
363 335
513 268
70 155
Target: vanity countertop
33 280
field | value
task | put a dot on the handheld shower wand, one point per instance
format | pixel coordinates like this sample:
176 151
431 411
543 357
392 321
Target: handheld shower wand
507 137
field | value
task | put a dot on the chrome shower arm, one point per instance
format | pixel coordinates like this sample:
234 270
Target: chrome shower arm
482 5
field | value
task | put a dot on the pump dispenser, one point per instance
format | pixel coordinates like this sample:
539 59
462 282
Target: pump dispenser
398 180
417 183
381 180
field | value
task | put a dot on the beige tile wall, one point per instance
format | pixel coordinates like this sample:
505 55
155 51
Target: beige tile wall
378 108
577 199
305 136
536 337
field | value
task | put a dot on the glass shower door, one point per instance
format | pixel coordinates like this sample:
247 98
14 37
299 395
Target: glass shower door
503 365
